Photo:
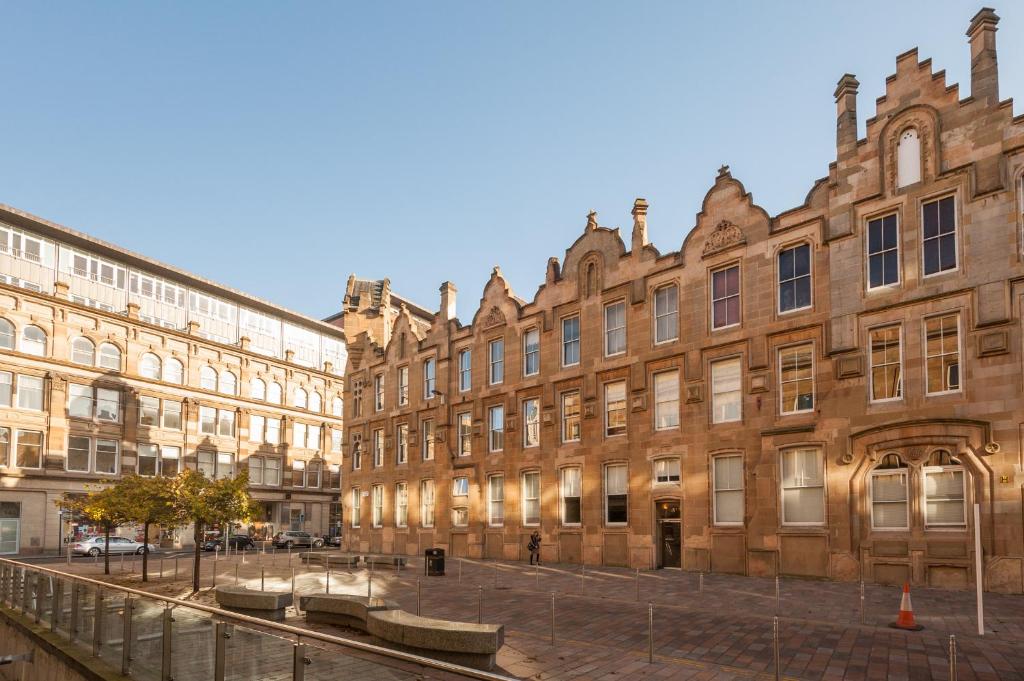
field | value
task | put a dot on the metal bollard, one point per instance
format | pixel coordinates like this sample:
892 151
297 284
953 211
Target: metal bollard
862 601
650 633
638 584
161 567
552 618
700 583
293 581
536 576
419 597
460 571
495 575
952 657
583 577
775 648
369 582
778 596
122 562
480 605
263 576
329 581
236 574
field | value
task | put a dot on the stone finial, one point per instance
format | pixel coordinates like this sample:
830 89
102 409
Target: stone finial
553 271
984 66
639 224
133 310
846 111
723 171
591 220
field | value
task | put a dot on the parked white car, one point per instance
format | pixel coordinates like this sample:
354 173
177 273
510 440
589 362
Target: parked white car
94 546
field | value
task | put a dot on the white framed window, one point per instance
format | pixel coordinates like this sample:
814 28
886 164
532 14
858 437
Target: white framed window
890 509
6 390
6 335
460 486
337 407
378 448
726 391
337 439
460 516
496 428
208 378
945 491
106 456
300 398
465 421
883 244
942 351
378 392
256 470
615 408
571 490
886 363
908 158
316 402
272 433
110 357
149 411
496 355
571 341
531 352
83 351
257 389
170 460
403 386
666 400
803 487
465 370
150 366
429 378
571 429
427 503
356 504
171 416
79 458
305 436
33 341
427 439
80 400
274 392
377 492
666 471
530 483
496 500
402 443
615 328
207 420
796 379
30 394
5 447
666 314
28 449
616 494
227 383
531 423
725 297
257 428
938 233
401 504
727 473
795 278
357 452
225 423
173 371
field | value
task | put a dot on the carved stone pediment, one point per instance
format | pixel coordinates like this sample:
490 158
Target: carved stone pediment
725 236
494 318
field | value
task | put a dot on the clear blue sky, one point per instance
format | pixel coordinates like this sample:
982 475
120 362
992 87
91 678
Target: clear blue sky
276 147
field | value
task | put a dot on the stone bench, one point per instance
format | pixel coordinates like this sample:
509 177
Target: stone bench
342 609
333 560
268 605
469 644
384 561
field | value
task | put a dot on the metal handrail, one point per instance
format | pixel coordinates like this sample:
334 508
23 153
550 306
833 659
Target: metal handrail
286 628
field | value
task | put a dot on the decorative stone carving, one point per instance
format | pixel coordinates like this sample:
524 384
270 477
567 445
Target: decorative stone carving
694 393
993 343
891 149
494 318
725 236
849 366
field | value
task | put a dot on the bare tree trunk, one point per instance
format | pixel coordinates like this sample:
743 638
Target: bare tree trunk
197 534
145 551
106 549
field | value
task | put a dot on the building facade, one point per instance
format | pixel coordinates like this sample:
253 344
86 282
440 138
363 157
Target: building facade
112 363
825 392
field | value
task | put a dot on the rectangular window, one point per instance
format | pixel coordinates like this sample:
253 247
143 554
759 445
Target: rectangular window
402 443
80 453
460 487
378 392
795 278
666 471
429 378
796 379
728 480
725 297
79 399
616 486
225 423
273 431
356 503
571 484
531 423
886 364
465 371
944 496
666 400
30 394
531 352
465 434
401 505
883 252
460 516
106 456
206 463
255 470
427 503
29 452
337 439
615 408
496 500
403 386
207 420
496 428
571 416
225 465
531 498
939 235
6 388
378 505
149 459
5 447
889 499
496 351
803 487
615 329
427 430
570 341
108 405
170 461
666 314
172 415
257 428
378 448
942 347
149 411
334 479
726 391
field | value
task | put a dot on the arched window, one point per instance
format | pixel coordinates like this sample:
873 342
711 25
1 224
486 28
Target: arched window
336 407
889 508
228 383
149 366
945 491
33 341
83 351
110 356
908 158
257 389
300 398
274 393
174 371
6 335
208 378
315 402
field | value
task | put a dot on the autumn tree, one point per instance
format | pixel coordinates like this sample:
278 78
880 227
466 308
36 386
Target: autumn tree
205 502
147 501
105 507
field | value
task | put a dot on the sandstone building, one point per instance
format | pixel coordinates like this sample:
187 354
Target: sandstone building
823 392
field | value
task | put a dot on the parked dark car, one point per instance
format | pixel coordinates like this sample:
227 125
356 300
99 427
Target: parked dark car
290 539
334 541
239 542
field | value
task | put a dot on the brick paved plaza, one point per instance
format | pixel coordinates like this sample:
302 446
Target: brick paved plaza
724 632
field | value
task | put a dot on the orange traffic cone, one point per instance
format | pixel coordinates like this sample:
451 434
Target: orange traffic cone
905 620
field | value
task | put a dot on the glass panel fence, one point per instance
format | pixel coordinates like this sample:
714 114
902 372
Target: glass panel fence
192 645
147 639
254 654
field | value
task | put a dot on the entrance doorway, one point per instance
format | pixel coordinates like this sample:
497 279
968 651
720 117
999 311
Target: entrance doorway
670 535
10 527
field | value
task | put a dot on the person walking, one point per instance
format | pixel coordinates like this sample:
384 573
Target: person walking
534 547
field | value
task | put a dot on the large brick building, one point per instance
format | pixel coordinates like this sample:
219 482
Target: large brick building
823 392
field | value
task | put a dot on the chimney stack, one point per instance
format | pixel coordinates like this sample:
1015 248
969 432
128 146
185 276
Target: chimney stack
846 113
984 69
448 301
639 225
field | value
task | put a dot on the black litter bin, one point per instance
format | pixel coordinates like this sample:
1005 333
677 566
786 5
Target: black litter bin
433 562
